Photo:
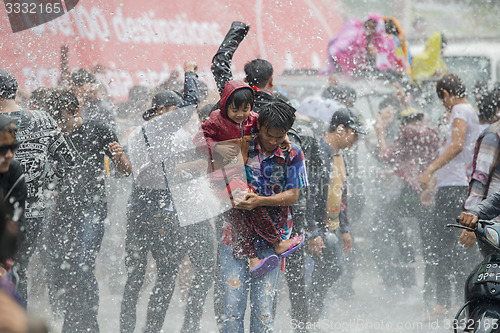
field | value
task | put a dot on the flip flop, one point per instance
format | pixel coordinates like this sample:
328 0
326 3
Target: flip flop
266 265
293 247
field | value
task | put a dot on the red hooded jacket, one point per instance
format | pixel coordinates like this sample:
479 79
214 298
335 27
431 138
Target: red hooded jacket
219 127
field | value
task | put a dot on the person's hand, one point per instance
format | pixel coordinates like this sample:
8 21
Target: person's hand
250 202
316 245
400 94
425 179
115 149
468 219
227 152
238 196
347 240
384 118
190 66
427 196
467 239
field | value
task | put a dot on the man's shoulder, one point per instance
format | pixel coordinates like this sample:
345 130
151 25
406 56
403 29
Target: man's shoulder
296 154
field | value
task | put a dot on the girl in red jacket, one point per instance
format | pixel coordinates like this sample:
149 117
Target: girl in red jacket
234 120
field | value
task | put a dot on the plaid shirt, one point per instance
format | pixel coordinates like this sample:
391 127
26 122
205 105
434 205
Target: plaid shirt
412 152
267 179
485 178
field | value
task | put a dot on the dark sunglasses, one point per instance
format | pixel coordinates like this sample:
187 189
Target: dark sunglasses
13 148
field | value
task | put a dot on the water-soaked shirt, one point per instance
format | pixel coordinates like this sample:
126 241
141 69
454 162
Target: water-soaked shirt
85 184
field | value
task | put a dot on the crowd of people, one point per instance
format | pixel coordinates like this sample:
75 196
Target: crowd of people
275 174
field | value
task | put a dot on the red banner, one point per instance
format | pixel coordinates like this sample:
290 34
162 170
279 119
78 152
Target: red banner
143 42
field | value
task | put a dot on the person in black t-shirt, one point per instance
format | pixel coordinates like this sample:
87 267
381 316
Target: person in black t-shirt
77 228
44 156
12 191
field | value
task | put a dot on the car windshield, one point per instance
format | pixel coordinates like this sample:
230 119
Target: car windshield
470 68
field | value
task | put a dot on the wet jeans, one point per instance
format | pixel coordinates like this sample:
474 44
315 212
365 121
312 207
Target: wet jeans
153 229
237 283
75 242
327 270
27 246
453 262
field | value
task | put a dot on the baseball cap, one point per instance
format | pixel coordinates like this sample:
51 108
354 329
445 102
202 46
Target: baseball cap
349 119
8 85
163 98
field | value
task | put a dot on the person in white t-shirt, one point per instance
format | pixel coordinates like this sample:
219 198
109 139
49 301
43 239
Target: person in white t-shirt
449 172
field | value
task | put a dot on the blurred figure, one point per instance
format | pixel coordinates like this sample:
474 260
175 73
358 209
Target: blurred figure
415 147
152 218
485 179
130 111
484 110
77 226
13 315
91 97
44 156
331 208
364 47
173 83
394 29
450 170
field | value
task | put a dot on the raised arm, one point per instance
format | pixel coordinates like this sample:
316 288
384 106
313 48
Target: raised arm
221 62
190 84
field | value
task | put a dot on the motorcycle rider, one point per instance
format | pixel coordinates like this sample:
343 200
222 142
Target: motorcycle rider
485 210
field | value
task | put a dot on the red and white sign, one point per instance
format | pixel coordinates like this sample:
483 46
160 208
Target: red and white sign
143 42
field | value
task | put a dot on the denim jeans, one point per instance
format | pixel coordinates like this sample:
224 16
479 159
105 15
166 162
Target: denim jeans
152 229
453 262
27 246
75 242
237 283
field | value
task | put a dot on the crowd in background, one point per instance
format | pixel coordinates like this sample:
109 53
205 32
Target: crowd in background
73 144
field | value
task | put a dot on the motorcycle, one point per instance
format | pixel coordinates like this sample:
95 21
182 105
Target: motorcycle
482 287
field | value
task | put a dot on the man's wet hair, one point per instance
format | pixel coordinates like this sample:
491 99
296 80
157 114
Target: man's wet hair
60 100
277 114
241 97
8 85
258 72
489 105
453 84
81 76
